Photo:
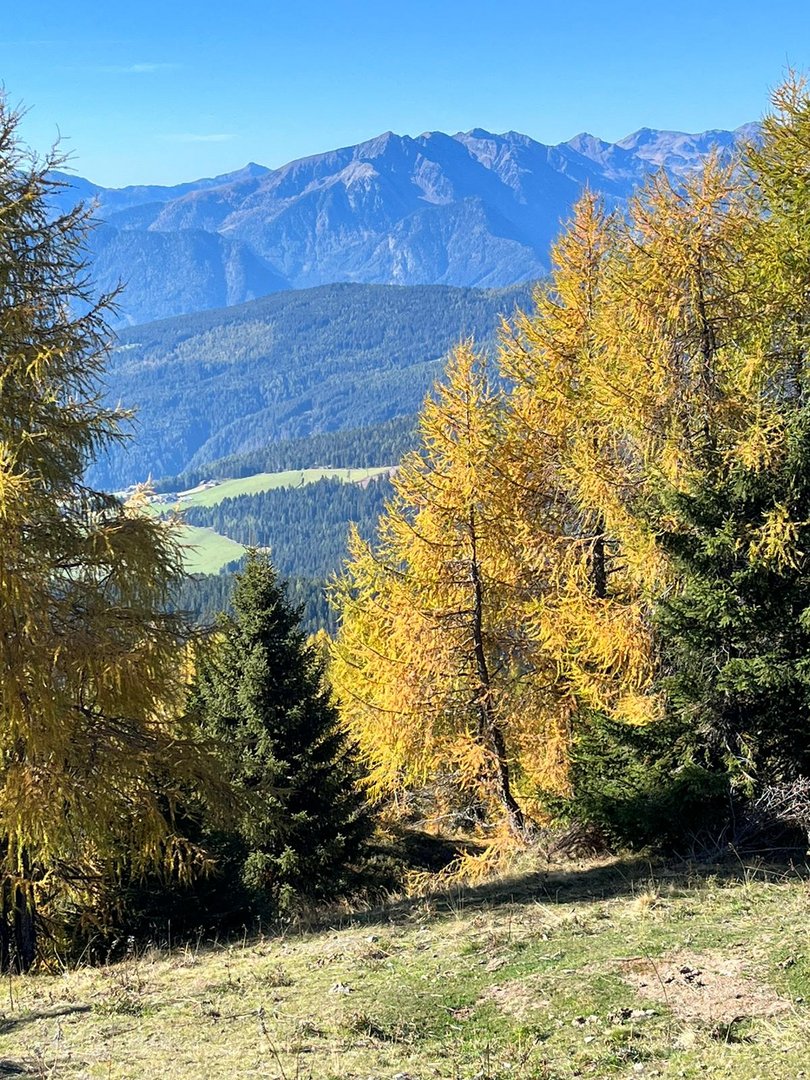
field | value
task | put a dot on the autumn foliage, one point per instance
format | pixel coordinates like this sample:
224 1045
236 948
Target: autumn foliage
514 598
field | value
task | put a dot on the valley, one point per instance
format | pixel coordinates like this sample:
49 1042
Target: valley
256 384
301 517
293 350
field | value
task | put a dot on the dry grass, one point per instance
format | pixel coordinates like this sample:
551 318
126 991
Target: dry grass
710 986
592 970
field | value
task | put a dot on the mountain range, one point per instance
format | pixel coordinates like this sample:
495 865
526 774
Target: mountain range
471 209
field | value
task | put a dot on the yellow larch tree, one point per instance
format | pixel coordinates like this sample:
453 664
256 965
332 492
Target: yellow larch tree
433 662
669 339
654 351
778 250
93 745
586 611
627 370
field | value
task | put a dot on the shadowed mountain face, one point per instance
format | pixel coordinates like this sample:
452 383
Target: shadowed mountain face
472 209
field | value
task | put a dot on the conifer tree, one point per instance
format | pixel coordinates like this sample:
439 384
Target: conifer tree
668 350
638 361
94 745
735 636
778 252
262 694
704 350
585 610
433 662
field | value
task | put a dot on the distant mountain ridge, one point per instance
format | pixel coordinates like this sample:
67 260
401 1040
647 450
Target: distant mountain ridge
471 209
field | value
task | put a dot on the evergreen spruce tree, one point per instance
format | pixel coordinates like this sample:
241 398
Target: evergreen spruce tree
735 636
262 693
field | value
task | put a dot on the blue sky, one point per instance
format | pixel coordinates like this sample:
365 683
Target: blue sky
163 92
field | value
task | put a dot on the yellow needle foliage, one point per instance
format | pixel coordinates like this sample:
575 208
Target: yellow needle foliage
650 352
585 613
670 337
434 662
93 746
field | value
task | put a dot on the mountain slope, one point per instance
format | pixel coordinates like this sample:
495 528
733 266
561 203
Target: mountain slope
176 272
284 366
472 209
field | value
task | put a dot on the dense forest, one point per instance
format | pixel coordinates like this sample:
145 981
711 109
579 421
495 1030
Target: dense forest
225 382
304 527
204 597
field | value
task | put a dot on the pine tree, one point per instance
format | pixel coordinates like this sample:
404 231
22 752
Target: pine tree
94 745
262 694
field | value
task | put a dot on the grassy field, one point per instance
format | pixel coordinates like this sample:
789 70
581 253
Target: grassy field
207 551
618 970
252 485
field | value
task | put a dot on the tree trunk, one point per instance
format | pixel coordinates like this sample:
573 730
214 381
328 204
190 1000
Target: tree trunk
708 352
5 927
18 923
25 928
488 721
599 561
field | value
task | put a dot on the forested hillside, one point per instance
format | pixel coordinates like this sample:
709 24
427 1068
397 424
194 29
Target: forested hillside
305 529
377 445
289 365
204 598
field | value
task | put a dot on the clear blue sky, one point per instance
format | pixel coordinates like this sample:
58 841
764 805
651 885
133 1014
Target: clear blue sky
161 92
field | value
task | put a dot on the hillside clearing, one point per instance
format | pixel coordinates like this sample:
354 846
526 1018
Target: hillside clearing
206 551
253 485
607 970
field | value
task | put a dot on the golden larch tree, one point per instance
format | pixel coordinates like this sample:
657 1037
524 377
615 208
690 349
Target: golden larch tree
433 661
93 744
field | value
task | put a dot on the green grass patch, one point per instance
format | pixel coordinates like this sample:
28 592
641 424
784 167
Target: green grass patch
206 551
583 971
253 485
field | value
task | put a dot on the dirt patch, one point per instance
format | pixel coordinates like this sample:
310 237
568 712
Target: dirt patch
518 997
704 986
